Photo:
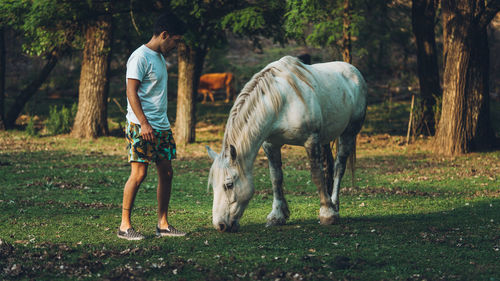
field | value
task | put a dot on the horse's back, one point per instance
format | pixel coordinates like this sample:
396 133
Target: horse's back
333 97
343 84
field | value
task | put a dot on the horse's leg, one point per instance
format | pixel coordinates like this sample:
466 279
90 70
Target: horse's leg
328 165
280 212
347 143
317 160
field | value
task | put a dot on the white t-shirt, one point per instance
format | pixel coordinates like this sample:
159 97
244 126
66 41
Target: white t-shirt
150 68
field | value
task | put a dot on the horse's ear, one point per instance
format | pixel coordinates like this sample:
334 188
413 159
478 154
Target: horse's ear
211 153
232 150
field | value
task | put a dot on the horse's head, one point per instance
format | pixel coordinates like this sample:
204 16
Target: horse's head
232 189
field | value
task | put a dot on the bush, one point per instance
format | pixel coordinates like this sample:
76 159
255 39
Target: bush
61 121
31 130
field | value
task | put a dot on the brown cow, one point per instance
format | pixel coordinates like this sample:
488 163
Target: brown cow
211 82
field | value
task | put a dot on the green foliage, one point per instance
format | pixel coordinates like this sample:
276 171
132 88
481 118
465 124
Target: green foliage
31 130
258 18
61 121
202 19
207 21
244 20
385 37
49 24
326 18
43 22
380 33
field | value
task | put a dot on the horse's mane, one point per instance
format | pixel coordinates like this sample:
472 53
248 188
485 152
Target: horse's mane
250 110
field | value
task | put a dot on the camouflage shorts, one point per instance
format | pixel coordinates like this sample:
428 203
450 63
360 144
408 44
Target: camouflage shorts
143 151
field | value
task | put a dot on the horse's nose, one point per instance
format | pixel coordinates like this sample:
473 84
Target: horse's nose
222 227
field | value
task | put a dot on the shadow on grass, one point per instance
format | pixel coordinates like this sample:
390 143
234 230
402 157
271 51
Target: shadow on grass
471 227
460 243
468 217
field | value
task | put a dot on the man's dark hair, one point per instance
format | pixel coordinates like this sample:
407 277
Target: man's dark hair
170 23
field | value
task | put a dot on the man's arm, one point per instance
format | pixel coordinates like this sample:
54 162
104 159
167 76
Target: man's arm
146 129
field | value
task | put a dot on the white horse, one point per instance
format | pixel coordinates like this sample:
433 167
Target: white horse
288 103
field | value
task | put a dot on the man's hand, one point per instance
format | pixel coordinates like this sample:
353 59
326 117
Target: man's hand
147 132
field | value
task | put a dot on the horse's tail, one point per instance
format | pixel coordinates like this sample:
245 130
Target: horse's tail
351 163
351 160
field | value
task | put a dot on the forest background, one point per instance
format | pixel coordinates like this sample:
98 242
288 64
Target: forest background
74 53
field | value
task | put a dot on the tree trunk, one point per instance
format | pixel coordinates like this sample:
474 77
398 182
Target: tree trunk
423 17
346 39
91 118
190 66
32 88
465 119
2 79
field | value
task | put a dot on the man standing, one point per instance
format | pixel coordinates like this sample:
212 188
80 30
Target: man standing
148 129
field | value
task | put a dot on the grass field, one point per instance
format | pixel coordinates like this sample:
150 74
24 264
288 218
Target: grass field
411 216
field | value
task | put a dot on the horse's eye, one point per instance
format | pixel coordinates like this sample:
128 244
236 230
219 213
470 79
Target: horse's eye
228 185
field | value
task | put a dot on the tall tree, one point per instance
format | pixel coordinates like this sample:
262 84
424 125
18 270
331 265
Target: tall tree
465 119
91 117
207 22
423 22
347 36
202 20
190 62
2 78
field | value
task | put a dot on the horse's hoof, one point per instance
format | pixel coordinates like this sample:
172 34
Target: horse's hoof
275 222
329 220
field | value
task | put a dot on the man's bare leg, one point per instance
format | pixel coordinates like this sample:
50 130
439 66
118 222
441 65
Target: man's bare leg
137 175
165 175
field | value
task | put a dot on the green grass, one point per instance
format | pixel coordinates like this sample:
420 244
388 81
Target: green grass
413 215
